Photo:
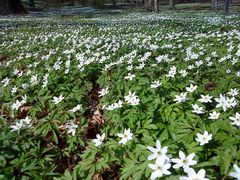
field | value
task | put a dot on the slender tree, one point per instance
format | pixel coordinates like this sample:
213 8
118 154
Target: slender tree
156 8
84 2
148 5
114 2
11 7
32 3
172 4
214 4
98 3
226 6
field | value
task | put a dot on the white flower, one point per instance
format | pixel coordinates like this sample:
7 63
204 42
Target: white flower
203 138
17 126
205 99
224 102
34 79
118 104
5 82
71 128
126 136
228 71
24 99
158 151
232 101
132 99
183 73
233 92
57 100
236 119
98 141
238 74
184 161
236 173
24 85
160 168
198 63
191 66
155 84
181 98
214 115
14 90
172 72
192 175
78 107
197 109
130 76
27 120
191 88
209 63
103 92
115 105
16 105
110 107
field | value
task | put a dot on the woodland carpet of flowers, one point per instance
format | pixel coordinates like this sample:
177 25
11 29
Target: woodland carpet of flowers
127 96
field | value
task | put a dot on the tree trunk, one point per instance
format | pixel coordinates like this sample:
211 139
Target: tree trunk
11 7
214 5
32 3
172 4
68 2
98 3
151 4
156 9
148 5
226 6
114 2
84 2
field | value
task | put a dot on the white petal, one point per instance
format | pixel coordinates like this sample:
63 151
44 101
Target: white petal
156 174
191 156
165 171
120 135
182 155
151 149
158 144
152 166
177 166
201 173
236 168
234 174
103 136
152 156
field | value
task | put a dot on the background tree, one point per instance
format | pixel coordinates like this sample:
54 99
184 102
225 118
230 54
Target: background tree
214 4
11 7
98 3
156 8
148 5
226 6
114 2
84 2
32 3
172 4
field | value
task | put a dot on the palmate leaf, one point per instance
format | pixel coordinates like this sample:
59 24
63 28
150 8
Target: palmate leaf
171 177
193 147
136 165
128 170
135 170
2 161
148 124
